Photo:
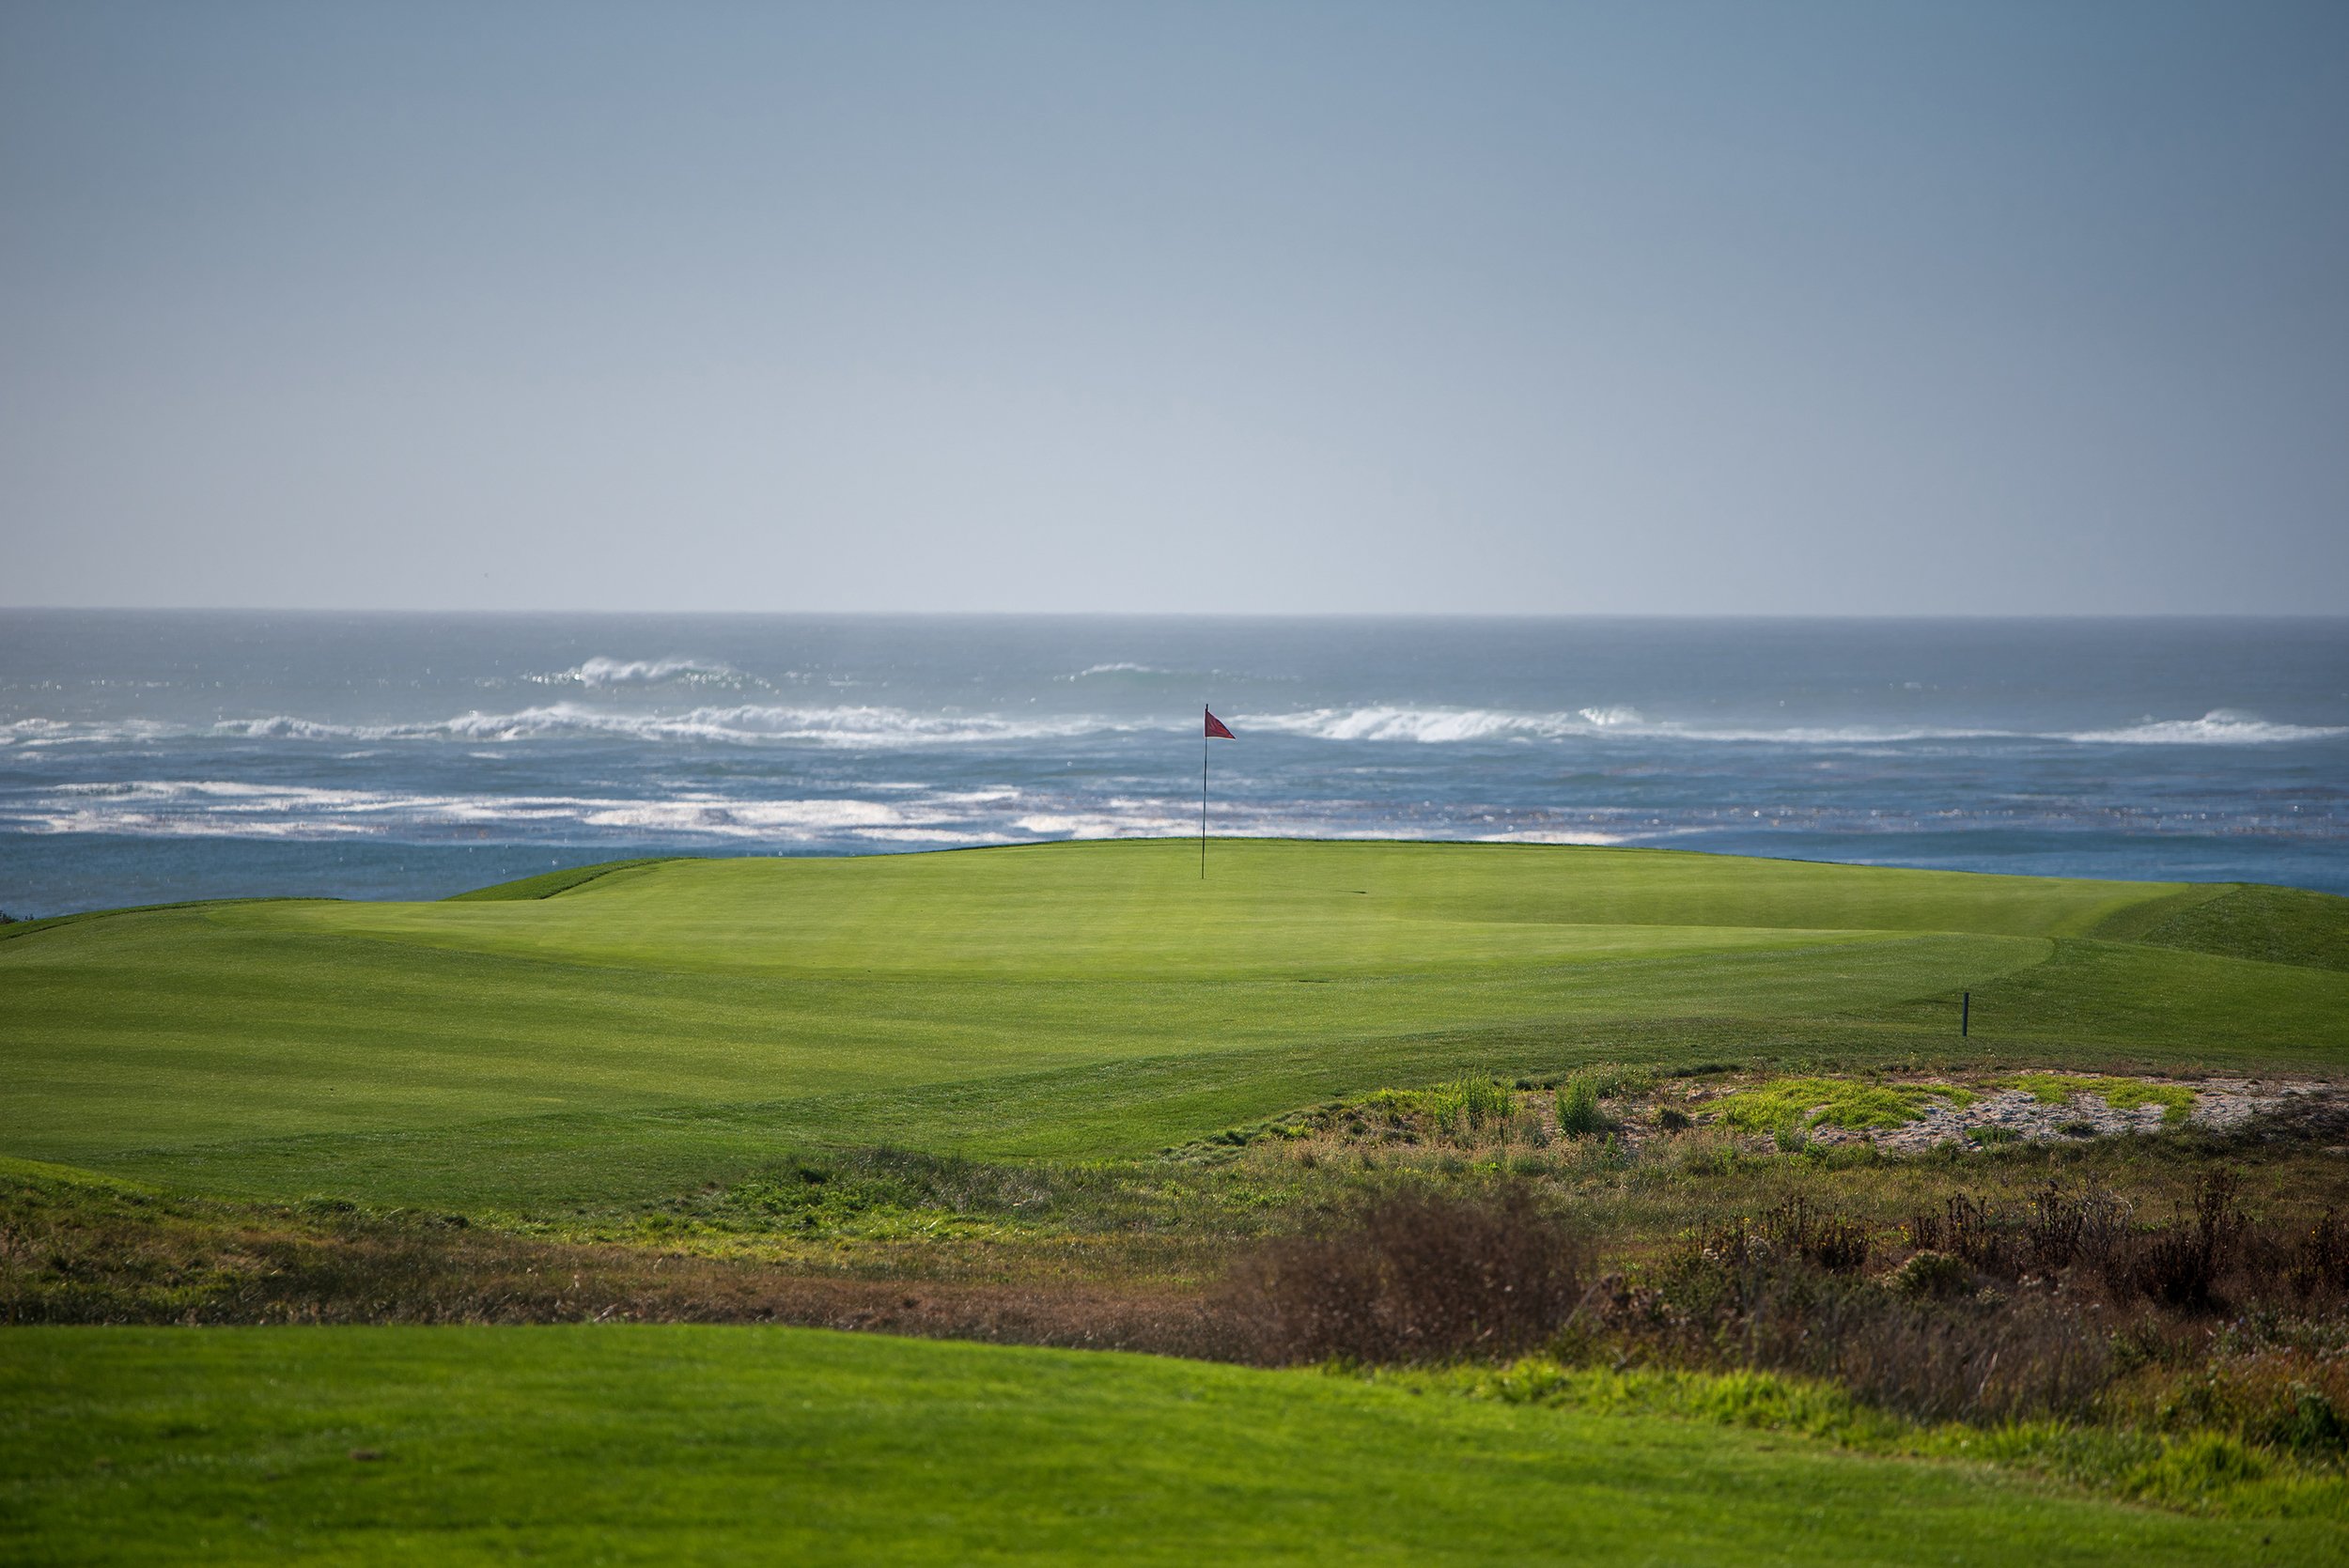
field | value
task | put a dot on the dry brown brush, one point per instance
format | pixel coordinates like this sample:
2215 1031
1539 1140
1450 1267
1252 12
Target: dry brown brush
1420 1277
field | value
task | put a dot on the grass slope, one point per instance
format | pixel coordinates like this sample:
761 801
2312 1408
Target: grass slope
594 1037
698 1444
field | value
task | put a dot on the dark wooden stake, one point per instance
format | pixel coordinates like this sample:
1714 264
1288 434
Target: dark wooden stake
1965 1013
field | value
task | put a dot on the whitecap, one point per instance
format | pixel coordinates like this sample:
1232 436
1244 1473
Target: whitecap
1448 725
1424 724
2218 728
856 726
1547 835
1107 824
601 669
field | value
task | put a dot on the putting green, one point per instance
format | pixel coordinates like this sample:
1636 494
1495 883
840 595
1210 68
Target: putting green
663 1024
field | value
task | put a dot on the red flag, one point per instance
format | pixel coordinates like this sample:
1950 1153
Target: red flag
1216 730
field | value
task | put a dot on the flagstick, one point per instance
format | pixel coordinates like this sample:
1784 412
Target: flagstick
1202 803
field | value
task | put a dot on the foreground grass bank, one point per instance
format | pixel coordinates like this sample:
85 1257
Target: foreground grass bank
697 1444
586 1040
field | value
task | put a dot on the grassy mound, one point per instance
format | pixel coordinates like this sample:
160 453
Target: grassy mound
646 1027
2274 926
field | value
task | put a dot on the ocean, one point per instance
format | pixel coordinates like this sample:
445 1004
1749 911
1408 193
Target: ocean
155 756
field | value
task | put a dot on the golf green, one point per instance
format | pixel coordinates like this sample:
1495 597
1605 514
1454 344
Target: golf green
667 1023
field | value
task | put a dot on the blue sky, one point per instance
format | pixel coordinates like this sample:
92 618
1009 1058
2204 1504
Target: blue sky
1661 307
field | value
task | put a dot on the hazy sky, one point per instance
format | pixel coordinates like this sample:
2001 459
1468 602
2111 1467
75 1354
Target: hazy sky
1870 307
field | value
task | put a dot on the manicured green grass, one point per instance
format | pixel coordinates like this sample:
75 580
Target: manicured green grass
593 1039
698 1444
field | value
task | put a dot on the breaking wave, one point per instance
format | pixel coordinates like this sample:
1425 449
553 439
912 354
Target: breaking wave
600 671
59 732
1439 726
2218 728
859 726
1425 724
226 808
871 726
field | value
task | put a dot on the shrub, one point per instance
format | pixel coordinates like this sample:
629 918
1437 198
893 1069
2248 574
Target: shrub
1931 1275
1420 1277
2179 1265
1837 1244
2319 1260
1971 1231
2280 1398
1960 1361
1736 1298
2061 1228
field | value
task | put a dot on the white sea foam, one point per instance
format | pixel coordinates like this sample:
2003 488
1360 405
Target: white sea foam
1452 725
605 671
1547 835
856 726
282 727
711 814
36 732
163 819
1106 824
1835 735
928 835
1439 726
198 807
873 726
1426 724
2218 728
862 726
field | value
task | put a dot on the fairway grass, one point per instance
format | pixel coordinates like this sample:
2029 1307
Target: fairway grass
590 1039
684 1444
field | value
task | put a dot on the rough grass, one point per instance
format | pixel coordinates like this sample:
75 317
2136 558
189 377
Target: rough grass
1465 1108
2175 1099
2199 1470
1578 1112
1793 1105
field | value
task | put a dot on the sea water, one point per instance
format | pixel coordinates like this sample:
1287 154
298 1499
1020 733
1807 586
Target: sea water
155 756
